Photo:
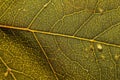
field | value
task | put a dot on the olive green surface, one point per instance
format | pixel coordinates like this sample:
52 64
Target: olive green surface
59 39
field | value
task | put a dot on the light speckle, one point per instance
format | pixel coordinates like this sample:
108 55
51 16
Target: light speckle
86 49
8 71
102 56
100 10
117 57
6 74
99 46
19 9
24 9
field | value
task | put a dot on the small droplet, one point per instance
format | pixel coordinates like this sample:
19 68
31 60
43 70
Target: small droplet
86 49
99 46
19 9
102 56
24 9
117 57
100 10
6 74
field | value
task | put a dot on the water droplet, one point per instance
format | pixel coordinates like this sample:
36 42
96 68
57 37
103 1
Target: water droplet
86 49
99 46
24 9
117 57
100 10
102 56
6 74
8 71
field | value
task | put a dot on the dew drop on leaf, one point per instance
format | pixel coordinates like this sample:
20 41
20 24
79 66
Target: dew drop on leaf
102 57
100 10
99 47
6 74
117 57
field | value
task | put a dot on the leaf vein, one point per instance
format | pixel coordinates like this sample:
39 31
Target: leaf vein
62 35
104 31
7 9
41 9
45 56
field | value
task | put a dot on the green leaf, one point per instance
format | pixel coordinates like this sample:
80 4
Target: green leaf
59 40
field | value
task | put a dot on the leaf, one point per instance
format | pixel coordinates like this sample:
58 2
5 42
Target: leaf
59 40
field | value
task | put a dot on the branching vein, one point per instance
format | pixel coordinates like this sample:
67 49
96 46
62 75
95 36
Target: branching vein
61 35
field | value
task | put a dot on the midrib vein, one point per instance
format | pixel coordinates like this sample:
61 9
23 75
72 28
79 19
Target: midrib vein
58 34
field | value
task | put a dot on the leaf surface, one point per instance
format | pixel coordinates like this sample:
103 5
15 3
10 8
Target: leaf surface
59 39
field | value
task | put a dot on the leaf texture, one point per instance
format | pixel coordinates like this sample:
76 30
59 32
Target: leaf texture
59 40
